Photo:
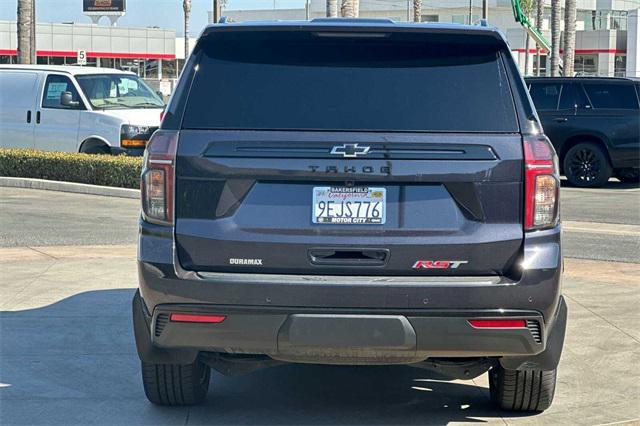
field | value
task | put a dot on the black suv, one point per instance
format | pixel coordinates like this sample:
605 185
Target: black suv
350 192
594 125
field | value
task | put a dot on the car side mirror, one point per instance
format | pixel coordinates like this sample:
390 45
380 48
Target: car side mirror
159 93
66 99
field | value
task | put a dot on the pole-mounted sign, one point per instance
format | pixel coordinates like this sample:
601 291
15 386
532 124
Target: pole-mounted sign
103 6
96 9
82 57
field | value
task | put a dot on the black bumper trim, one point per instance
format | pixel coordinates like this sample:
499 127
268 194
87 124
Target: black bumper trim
339 336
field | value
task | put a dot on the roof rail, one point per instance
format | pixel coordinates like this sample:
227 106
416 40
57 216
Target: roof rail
355 20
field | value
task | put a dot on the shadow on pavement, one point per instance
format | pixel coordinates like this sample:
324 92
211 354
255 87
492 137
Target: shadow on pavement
74 362
613 184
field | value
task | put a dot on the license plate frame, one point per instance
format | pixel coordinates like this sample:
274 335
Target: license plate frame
366 205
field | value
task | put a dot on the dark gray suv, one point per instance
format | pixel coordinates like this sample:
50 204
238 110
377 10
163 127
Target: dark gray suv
351 192
594 125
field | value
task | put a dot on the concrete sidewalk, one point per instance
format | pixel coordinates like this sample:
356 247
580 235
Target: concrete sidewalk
68 357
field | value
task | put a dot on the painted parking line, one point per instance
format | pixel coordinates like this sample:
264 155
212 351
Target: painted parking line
601 228
17 254
608 191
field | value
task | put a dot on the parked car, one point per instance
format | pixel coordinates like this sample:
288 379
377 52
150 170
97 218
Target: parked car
594 124
76 109
338 192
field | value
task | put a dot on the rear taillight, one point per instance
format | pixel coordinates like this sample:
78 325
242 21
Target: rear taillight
541 182
157 177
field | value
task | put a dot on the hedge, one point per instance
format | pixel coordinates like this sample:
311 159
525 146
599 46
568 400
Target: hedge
120 171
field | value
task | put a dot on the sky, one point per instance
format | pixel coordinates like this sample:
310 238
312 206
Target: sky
141 13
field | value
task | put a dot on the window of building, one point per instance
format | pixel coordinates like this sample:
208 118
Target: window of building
107 62
133 65
594 19
586 17
430 18
179 65
151 68
6 59
543 65
42 60
169 68
620 66
71 60
618 96
586 65
56 60
464 19
618 20
545 95
53 89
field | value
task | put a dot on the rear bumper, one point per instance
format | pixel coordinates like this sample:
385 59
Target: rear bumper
334 337
131 152
350 320
624 157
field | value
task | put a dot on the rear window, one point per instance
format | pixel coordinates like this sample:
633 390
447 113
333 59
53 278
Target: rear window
303 81
616 96
545 95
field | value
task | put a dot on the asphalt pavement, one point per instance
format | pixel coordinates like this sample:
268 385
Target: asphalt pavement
67 354
30 217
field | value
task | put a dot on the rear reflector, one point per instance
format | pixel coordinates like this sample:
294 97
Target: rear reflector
211 319
498 323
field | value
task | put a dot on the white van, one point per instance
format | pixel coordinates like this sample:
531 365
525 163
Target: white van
76 109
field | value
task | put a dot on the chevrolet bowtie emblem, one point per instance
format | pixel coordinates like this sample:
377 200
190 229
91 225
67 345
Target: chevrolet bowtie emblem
350 150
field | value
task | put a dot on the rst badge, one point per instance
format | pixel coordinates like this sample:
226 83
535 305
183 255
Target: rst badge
438 264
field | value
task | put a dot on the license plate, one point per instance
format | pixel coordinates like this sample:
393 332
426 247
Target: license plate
349 205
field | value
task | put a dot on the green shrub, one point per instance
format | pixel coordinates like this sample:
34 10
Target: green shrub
120 171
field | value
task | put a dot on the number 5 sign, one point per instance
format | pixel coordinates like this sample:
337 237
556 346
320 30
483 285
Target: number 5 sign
82 57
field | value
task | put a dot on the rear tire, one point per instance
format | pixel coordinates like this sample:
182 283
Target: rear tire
174 384
586 165
628 175
93 146
528 391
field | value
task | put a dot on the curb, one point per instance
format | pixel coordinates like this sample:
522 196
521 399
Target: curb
77 188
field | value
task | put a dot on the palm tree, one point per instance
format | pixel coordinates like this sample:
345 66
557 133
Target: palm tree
332 8
186 6
539 18
569 37
349 8
417 10
555 37
527 8
25 16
